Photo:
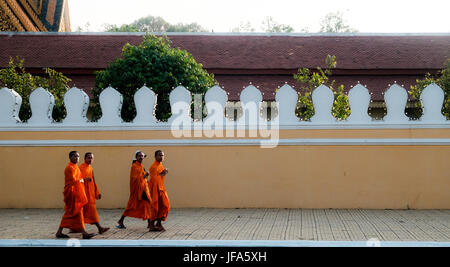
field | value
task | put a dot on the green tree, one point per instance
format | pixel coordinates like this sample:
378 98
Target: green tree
334 22
270 25
154 24
442 79
156 64
123 28
309 80
267 25
244 27
15 77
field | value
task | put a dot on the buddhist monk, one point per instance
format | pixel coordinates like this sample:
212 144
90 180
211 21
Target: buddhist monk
139 202
160 199
74 199
92 193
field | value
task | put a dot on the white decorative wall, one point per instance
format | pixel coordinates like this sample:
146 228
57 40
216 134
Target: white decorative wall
77 102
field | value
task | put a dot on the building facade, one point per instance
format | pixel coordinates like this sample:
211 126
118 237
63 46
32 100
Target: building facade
34 16
236 60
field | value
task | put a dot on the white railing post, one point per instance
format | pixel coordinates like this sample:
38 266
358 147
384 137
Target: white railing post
251 100
287 99
216 99
145 101
41 103
10 102
180 103
111 104
432 99
323 99
359 100
395 99
77 104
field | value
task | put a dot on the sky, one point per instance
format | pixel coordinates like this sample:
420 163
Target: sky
380 16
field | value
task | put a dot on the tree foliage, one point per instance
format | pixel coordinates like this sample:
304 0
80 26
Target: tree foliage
155 24
244 27
334 22
270 25
15 77
442 79
309 80
156 64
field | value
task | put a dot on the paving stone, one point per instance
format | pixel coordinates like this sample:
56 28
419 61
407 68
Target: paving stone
246 224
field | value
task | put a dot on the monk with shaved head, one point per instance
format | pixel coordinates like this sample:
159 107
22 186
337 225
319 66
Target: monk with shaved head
92 193
160 199
139 202
74 199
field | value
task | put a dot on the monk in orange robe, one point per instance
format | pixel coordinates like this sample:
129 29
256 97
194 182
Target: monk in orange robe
160 199
139 202
92 193
74 199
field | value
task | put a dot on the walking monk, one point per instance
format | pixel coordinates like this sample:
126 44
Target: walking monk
139 203
160 199
74 199
92 193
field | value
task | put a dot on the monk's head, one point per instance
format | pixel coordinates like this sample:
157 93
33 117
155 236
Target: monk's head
159 155
89 158
74 157
140 156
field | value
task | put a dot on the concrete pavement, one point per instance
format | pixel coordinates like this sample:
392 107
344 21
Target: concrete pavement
270 225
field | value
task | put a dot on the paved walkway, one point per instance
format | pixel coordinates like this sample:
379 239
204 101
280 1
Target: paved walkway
247 224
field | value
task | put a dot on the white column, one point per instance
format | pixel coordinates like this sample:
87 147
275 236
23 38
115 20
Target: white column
251 99
77 104
323 99
395 99
10 102
180 121
359 100
287 99
111 104
216 99
432 99
41 103
145 101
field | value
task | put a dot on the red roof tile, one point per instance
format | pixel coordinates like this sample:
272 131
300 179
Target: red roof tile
237 51
267 61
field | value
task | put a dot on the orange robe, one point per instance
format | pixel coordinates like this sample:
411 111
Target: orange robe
92 193
74 199
139 203
160 199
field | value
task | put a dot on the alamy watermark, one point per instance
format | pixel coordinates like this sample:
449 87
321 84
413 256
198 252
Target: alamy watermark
73 242
373 242
251 124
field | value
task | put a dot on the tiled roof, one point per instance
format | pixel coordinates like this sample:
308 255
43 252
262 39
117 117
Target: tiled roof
251 52
268 61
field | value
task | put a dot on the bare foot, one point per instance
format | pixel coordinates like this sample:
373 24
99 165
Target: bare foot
153 228
88 236
61 235
121 225
160 227
103 230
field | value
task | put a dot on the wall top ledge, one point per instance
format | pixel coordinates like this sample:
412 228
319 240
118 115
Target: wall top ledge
167 127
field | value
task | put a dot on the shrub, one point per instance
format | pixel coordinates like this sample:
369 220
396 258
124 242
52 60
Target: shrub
15 77
157 65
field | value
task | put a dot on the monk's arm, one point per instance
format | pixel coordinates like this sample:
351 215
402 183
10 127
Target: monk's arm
164 172
69 172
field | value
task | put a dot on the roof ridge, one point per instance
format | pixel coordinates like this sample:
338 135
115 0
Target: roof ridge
236 34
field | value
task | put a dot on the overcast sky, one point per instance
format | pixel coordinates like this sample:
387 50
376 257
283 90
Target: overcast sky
381 16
